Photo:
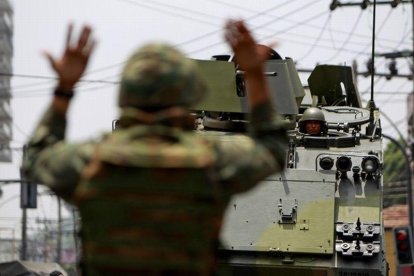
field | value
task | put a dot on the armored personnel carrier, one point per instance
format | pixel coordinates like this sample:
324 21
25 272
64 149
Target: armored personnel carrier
323 214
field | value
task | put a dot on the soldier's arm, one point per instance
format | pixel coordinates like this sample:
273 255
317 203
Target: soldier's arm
251 59
244 163
48 160
246 160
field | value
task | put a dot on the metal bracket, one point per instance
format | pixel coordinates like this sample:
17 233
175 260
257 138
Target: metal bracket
352 230
288 211
357 248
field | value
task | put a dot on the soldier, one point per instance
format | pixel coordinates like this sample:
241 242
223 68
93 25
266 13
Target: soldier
152 194
313 122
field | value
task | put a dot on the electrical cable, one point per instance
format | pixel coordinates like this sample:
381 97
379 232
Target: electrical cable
331 36
263 38
214 32
317 39
376 34
406 31
385 93
51 78
79 90
20 130
338 51
366 90
387 100
204 15
198 38
302 35
397 123
132 2
50 88
30 85
319 46
191 40
289 14
8 200
370 21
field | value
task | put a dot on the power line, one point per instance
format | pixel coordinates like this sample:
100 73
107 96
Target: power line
88 81
81 88
365 3
376 34
386 18
396 124
328 19
214 32
384 93
164 4
393 95
198 38
20 130
49 88
30 85
165 12
308 24
266 37
51 78
297 24
346 40
276 18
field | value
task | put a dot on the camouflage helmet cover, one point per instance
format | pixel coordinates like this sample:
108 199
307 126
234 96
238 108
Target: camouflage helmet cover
312 114
158 75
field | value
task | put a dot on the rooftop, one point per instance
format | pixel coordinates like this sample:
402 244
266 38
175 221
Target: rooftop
395 216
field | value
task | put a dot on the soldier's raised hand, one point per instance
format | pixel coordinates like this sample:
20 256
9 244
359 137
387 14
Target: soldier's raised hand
72 64
249 56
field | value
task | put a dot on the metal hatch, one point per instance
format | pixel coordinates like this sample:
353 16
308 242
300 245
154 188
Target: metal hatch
284 213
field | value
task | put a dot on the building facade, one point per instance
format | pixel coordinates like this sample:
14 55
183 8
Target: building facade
6 53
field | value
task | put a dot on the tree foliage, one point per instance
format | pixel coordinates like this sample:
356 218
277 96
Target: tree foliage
395 175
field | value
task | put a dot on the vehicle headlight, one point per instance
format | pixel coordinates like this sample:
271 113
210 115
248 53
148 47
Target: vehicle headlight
326 163
370 164
343 163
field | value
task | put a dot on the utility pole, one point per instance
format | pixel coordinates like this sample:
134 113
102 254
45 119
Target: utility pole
59 231
365 3
23 252
28 199
412 111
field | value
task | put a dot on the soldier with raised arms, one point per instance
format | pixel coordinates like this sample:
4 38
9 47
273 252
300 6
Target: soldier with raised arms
151 195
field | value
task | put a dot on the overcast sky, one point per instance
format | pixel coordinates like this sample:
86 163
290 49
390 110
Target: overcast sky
306 31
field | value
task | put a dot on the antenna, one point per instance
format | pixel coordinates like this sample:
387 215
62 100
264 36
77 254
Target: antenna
371 104
373 53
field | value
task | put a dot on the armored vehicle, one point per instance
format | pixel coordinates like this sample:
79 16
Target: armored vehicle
323 214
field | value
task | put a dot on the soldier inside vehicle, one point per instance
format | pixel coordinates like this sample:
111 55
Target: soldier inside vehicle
313 122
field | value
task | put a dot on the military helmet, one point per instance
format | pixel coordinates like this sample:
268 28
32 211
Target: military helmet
158 75
312 114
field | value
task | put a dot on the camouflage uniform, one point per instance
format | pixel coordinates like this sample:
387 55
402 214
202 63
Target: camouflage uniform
152 196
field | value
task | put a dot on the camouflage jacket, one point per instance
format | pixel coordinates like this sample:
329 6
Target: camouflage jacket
154 156
51 161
